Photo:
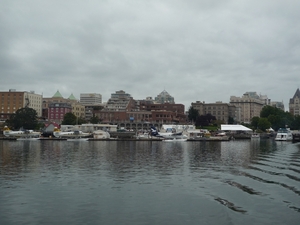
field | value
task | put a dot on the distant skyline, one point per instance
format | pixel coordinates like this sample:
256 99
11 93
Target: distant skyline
153 97
204 50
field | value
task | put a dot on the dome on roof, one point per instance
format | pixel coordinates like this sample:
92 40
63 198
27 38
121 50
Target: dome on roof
72 97
164 93
57 95
164 97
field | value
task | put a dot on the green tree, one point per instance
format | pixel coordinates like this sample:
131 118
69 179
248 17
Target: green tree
193 114
296 123
263 124
277 117
80 121
254 122
25 118
69 119
205 120
94 120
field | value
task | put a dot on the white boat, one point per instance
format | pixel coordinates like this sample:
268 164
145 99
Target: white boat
172 140
101 134
284 134
98 131
24 134
77 139
169 134
76 134
143 135
255 136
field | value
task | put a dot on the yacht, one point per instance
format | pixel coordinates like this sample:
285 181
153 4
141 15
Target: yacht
284 134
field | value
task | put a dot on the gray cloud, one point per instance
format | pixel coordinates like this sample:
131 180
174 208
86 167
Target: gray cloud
196 50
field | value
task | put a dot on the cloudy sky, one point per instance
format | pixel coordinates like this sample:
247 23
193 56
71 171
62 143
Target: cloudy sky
197 50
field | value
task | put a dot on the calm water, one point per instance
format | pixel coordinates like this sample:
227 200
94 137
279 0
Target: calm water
236 182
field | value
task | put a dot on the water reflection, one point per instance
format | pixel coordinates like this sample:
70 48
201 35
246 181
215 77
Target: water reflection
84 182
122 157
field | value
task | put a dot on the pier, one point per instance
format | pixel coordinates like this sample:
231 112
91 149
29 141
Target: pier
296 137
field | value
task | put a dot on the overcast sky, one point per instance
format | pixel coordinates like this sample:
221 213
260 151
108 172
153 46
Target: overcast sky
196 50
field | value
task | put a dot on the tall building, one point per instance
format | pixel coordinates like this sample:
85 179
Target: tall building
294 104
12 100
89 99
248 106
120 101
76 108
164 97
222 111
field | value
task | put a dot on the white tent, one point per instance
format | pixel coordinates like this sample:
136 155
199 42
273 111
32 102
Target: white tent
230 127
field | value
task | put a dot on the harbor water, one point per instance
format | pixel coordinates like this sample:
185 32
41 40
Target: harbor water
143 182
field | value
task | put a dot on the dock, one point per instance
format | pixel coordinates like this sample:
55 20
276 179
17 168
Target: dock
296 137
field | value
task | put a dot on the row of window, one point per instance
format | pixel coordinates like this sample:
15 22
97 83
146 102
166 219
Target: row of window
56 116
8 111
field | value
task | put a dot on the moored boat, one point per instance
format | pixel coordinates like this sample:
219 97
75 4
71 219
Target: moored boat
101 134
170 134
255 136
284 134
24 134
173 140
76 134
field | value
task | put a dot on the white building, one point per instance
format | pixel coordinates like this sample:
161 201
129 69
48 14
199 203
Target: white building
90 99
248 106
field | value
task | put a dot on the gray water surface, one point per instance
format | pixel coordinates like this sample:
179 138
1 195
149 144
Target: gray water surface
138 182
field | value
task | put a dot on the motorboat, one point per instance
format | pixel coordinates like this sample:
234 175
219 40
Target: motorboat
143 135
77 139
24 134
76 134
175 140
101 134
255 136
170 134
284 134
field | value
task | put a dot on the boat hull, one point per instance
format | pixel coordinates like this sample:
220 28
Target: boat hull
284 134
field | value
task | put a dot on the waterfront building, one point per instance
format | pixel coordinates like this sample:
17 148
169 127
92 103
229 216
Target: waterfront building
76 107
91 101
248 106
12 100
164 97
294 104
122 110
57 111
222 111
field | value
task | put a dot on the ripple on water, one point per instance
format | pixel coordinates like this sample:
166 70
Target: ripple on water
150 182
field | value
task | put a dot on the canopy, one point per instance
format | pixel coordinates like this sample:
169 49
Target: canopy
231 127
